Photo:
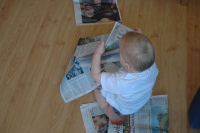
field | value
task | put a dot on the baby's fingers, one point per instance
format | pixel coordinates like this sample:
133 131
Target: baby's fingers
138 30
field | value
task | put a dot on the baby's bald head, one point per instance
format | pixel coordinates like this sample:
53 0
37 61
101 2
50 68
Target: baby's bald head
137 50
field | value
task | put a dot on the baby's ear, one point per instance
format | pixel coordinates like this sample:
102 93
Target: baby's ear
127 66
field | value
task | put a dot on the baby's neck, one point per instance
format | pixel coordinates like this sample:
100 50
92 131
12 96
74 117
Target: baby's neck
133 71
130 71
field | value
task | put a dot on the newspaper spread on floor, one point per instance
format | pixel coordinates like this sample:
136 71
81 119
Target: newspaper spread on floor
77 80
96 11
152 118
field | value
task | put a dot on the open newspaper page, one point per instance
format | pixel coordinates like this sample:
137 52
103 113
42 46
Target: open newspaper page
152 118
117 32
96 11
85 52
77 80
86 46
95 121
107 58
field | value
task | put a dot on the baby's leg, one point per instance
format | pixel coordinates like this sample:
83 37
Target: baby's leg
108 110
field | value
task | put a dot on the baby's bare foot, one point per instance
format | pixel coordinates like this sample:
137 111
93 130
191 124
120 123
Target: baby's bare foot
114 118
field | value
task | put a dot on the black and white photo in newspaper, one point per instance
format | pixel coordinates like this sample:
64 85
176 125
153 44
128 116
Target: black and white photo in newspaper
96 11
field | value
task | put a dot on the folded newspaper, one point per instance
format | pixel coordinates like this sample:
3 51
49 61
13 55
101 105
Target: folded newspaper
96 11
77 80
152 118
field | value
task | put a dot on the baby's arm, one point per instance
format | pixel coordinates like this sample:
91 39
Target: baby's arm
96 61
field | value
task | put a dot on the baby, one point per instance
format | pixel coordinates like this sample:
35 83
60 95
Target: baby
128 90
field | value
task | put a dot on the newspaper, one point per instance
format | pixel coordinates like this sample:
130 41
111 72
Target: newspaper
77 80
96 11
118 31
152 118
86 46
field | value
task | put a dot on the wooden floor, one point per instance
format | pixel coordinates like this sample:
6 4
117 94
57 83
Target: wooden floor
38 37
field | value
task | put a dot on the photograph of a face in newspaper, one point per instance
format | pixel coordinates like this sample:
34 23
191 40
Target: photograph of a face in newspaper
101 123
96 11
74 71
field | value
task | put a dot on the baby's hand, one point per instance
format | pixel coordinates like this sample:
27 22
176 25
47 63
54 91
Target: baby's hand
138 30
100 49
